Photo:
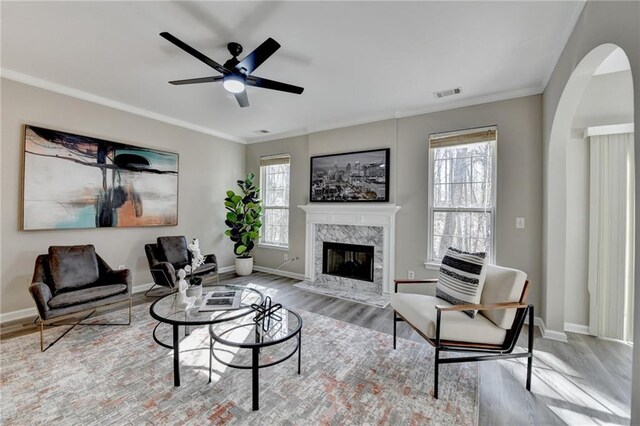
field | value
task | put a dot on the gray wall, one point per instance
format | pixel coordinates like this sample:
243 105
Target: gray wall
297 148
600 22
519 179
208 167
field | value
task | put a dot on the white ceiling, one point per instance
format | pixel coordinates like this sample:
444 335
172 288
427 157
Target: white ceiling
358 61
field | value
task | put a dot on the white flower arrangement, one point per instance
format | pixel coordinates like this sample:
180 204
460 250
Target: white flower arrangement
197 258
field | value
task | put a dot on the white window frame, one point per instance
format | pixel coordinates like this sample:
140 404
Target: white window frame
261 241
432 263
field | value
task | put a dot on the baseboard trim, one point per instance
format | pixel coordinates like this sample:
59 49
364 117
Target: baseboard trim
576 328
272 271
18 315
558 336
225 269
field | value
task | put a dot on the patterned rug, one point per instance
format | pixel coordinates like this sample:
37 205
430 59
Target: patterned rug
119 375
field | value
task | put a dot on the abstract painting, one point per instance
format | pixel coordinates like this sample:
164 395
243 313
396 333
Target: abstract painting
352 176
73 181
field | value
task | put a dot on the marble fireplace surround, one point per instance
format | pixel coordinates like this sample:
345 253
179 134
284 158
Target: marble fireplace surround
367 224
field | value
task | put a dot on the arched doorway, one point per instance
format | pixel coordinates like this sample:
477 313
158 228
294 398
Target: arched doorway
558 248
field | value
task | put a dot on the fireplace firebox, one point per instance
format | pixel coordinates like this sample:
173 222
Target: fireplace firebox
348 260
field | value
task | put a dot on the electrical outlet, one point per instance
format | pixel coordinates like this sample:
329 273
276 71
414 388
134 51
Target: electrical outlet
286 256
411 275
519 222
121 267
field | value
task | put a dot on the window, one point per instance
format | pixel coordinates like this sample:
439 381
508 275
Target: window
462 193
274 184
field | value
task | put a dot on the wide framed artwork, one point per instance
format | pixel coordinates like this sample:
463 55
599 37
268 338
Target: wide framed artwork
72 181
361 176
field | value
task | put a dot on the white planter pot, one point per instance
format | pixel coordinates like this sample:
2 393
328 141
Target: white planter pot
244 266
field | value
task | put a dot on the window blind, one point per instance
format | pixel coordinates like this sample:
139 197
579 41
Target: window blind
441 140
274 160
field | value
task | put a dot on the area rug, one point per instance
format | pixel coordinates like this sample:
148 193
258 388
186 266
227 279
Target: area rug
119 375
364 297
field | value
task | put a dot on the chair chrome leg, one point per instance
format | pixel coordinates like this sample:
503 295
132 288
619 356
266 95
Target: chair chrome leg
435 378
74 324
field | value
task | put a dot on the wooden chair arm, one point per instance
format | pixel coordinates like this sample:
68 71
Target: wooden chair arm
419 281
487 307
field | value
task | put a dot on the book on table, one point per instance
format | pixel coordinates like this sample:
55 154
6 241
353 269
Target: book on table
222 300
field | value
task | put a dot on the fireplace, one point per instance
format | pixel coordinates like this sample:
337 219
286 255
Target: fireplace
348 260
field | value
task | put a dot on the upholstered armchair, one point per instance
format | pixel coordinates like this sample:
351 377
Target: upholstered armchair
169 255
73 279
494 330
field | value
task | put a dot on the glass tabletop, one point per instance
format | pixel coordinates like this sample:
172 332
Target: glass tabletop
167 309
245 332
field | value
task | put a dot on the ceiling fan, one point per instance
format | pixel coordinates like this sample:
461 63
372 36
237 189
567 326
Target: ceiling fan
236 74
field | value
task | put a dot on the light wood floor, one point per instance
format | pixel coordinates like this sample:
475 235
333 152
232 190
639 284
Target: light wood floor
585 381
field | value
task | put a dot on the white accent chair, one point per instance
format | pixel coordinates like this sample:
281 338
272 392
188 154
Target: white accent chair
494 330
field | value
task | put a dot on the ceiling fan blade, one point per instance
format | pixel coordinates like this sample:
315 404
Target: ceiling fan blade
197 80
242 98
273 85
254 59
193 52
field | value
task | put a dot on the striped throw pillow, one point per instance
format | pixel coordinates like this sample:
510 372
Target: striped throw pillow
462 278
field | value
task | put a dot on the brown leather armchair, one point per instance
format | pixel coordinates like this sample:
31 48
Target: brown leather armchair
72 279
169 255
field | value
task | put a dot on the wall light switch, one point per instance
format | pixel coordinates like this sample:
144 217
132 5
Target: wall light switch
286 256
411 275
520 222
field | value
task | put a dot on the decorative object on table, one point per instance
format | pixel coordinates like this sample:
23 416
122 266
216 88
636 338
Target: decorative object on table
221 300
74 279
74 181
265 312
197 259
182 288
352 176
172 253
244 212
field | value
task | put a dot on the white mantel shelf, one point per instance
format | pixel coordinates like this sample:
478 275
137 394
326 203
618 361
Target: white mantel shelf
358 214
364 214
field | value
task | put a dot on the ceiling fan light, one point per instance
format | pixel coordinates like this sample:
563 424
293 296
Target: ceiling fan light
233 84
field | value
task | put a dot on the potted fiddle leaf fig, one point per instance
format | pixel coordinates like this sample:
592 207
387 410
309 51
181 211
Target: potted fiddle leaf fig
244 219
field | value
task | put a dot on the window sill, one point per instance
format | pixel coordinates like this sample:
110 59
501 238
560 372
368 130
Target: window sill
273 246
432 266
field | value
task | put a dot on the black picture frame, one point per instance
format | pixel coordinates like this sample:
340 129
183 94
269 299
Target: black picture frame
350 177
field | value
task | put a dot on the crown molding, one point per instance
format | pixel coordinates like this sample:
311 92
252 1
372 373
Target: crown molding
477 100
571 25
86 96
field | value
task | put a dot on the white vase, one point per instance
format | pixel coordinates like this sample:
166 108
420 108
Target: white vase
244 266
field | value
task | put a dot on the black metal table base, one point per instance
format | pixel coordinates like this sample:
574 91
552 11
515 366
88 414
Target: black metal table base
255 364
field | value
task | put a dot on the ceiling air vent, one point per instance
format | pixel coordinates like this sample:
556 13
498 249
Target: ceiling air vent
448 92
261 132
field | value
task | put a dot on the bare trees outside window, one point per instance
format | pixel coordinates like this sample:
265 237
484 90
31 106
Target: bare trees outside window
274 183
462 192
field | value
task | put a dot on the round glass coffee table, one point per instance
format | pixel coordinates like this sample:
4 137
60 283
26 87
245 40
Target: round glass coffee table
167 311
268 333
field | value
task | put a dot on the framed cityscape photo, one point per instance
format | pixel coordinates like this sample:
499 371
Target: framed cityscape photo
350 177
